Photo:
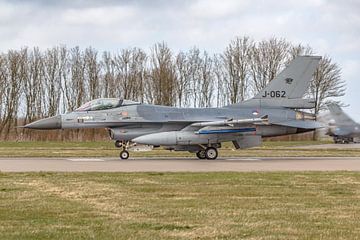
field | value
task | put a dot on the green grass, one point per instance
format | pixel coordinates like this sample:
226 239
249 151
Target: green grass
310 205
107 149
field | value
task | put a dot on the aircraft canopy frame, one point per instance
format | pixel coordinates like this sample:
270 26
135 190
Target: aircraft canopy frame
104 104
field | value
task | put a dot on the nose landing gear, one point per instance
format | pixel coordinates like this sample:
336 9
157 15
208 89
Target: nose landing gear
124 154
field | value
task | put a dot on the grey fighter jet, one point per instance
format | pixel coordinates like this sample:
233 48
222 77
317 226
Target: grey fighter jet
274 111
342 128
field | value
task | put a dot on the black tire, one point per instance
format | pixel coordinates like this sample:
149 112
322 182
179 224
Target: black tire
211 153
118 144
124 154
201 154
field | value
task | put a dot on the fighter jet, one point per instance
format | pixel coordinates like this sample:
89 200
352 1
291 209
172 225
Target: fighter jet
274 111
342 128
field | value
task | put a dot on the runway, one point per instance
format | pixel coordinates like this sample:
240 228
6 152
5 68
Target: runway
330 146
168 164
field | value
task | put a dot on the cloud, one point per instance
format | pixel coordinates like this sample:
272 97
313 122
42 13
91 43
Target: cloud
207 23
98 16
210 9
329 26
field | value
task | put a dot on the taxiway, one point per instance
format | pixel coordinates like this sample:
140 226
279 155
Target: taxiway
238 164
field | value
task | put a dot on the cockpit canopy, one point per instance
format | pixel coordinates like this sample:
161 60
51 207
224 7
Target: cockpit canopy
104 104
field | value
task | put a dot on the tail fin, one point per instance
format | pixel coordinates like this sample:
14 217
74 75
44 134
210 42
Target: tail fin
339 116
288 88
293 81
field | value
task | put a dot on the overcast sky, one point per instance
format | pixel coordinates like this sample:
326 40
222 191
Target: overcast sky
328 26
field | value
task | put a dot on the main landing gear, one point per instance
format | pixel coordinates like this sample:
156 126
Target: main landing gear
201 154
210 153
124 154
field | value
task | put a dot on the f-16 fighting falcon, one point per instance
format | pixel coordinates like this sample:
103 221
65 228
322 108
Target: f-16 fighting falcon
342 128
274 111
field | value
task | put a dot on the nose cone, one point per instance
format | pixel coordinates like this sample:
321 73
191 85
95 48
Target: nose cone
46 123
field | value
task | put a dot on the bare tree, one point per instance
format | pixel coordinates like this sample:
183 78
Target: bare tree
206 81
267 58
194 59
92 71
138 73
327 83
130 70
4 85
222 95
74 87
299 50
64 76
33 85
109 76
236 65
52 75
123 78
15 77
182 66
162 75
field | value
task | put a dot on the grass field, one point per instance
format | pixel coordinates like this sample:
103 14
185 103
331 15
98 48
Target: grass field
107 149
282 205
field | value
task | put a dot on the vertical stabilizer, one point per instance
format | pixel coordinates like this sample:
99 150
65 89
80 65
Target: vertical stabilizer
339 116
293 81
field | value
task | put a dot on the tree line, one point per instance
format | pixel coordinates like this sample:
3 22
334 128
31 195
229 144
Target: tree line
37 83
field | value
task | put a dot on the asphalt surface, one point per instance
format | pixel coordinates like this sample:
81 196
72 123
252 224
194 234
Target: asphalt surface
330 146
238 164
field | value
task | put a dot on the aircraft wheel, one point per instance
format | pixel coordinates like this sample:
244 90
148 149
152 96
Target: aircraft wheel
211 153
124 154
201 154
118 144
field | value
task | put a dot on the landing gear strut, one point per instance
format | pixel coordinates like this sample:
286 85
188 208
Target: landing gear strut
210 153
124 154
